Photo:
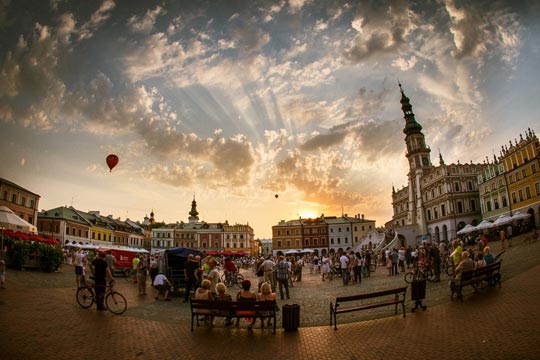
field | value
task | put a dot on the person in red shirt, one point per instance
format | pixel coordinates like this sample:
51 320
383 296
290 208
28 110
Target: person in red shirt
229 266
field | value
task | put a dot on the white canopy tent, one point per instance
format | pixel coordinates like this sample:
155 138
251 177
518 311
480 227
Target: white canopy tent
10 220
467 229
503 220
484 225
292 252
520 216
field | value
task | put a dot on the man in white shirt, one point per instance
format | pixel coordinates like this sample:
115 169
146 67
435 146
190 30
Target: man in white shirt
163 286
80 258
344 262
267 267
299 265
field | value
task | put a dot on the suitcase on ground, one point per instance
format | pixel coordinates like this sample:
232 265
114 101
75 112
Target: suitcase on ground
418 290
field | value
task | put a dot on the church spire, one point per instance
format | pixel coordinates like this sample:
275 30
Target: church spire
193 214
411 126
441 160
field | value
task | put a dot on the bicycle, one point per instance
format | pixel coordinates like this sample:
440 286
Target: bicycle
372 266
112 299
447 266
230 279
333 273
419 274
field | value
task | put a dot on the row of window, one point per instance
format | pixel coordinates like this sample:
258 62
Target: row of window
167 244
526 195
15 200
496 205
521 174
308 242
98 236
315 231
192 235
524 154
460 209
494 186
338 241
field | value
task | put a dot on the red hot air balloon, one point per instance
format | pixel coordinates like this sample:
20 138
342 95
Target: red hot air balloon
112 161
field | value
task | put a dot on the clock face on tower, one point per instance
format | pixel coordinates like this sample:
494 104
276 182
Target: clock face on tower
424 161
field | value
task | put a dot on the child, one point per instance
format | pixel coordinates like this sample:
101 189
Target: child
2 273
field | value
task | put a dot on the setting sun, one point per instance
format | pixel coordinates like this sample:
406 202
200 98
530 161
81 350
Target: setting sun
307 214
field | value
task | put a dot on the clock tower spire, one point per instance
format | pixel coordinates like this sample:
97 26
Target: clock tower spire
418 155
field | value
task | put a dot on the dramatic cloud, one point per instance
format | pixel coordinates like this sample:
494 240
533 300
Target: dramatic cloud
97 19
145 24
295 96
382 28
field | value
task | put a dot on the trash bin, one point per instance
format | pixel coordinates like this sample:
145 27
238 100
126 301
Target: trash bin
418 293
290 317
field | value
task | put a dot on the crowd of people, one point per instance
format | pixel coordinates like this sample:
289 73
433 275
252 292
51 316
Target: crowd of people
278 274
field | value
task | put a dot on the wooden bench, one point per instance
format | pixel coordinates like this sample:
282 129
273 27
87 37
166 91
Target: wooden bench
229 309
346 304
490 273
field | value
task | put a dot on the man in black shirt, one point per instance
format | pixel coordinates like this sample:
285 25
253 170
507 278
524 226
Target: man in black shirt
101 272
190 269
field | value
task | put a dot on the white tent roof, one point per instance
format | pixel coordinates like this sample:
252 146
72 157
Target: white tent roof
9 220
484 225
520 216
502 220
467 229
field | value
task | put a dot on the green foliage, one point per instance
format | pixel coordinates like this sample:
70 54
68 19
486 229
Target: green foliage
17 254
50 257
21 253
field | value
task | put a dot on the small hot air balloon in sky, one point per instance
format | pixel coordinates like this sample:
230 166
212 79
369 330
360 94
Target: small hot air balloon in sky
276 196
112 161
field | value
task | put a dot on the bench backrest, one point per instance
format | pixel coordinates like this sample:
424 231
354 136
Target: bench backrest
267 305
372 295
493 267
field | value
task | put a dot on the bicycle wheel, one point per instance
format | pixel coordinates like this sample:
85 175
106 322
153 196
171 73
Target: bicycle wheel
227 280
85 296
409 277
238 279
116 302
372 268
430 275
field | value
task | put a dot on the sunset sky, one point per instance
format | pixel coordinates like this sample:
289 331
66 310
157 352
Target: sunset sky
237 101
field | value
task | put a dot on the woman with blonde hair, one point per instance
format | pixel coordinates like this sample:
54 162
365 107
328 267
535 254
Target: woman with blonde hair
204 293
222 295
488 256
266 294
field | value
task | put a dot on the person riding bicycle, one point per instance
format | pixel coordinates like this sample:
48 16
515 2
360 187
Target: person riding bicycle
229 268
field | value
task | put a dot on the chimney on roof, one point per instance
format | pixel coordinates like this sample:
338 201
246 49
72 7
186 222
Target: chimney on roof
362 216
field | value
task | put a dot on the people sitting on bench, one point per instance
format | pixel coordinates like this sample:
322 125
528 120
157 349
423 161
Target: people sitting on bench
246 295
222 295
266 294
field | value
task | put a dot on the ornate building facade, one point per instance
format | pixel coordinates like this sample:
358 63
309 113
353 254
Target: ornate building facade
521 163
438 200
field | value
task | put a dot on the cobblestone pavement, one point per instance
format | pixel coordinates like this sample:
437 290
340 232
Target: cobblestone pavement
40 319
